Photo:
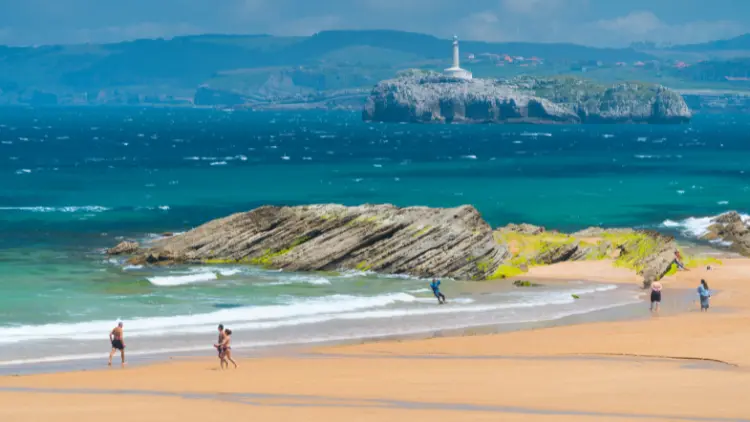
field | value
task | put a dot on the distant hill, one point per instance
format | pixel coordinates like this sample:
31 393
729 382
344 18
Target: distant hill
261 65
322 69
740 43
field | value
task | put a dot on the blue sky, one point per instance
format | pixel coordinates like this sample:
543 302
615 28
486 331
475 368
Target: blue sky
590 22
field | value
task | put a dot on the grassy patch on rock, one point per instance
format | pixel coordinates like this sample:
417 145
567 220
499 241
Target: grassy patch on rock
525 250
422 231
635 248
266 259
363 266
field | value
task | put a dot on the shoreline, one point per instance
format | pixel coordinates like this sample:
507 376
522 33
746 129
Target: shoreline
596 370
674 305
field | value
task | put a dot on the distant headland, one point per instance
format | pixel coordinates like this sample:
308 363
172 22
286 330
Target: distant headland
429 97
423 96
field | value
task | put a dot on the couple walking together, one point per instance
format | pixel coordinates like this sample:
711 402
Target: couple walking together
224 347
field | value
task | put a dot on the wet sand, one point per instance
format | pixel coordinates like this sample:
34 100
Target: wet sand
684 366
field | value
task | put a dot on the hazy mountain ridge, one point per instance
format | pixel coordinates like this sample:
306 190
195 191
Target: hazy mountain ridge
264 69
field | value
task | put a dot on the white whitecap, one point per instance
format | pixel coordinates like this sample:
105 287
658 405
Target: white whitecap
181 280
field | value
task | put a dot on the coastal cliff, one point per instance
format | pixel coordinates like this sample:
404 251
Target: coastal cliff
418 241
419 96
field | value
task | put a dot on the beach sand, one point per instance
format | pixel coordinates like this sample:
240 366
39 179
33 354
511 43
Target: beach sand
690 366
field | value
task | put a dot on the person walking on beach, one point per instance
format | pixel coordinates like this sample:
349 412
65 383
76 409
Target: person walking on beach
227 348
435 286
218 345
704 294
116 337
655 296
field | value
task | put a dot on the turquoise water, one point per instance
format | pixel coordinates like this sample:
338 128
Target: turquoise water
75 181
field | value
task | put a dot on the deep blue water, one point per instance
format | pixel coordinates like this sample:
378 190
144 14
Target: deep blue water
203 164
75 180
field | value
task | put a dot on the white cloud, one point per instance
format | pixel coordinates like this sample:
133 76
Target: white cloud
536 7
646 26
634 23
485 26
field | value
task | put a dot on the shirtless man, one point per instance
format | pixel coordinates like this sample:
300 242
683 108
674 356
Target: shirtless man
220 347
118 343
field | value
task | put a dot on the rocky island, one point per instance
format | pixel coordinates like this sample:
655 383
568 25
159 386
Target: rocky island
418 241
419 96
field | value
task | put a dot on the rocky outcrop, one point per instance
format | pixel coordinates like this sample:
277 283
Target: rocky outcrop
649 253
524 228
429 97
124 248
733 229
419 241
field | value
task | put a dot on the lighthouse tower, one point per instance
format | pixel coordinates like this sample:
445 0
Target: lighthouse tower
455 71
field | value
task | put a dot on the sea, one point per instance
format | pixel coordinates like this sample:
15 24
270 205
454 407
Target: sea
74 181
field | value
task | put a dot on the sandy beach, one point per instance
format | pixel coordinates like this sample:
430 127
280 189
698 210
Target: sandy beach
689 366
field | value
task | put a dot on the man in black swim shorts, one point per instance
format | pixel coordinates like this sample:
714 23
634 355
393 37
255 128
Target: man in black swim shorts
116 337
218 345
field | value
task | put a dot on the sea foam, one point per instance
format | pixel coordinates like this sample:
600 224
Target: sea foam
696 226
68 209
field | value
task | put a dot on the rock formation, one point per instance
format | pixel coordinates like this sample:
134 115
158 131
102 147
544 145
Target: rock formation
429 97
124 248
732 228
419 241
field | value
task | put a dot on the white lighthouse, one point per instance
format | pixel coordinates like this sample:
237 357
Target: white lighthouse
455 70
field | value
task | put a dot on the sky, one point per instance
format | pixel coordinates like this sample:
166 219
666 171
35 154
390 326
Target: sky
601 23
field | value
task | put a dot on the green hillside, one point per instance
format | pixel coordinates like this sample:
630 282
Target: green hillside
263 68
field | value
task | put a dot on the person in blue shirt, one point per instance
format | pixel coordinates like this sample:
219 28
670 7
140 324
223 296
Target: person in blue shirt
435 286
704 294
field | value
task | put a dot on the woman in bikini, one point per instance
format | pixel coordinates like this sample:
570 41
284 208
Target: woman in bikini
226 347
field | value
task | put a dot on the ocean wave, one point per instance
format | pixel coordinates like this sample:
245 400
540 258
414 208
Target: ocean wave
181 280
536 134
402 331
425 290
192 276
68 209
348 273
250 317
696 226
299 279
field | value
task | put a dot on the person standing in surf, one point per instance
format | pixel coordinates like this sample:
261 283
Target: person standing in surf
655 297
117 338
704 295
435 286
219 346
